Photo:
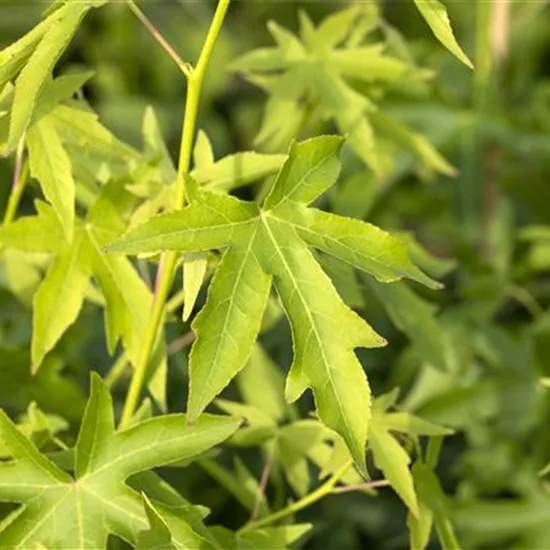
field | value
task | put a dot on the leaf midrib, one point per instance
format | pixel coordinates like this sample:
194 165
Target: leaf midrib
232 302
308 313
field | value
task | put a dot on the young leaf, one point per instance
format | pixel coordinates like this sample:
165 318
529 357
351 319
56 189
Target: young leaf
60 296
194 271
84 510
435 14
325 75
81 128
65 284
50 165
271 244
394 461
39 67
158 537
14 57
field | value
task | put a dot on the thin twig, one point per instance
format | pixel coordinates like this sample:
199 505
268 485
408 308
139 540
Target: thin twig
180 343
361 486
117 371
263 484
319 493
156 34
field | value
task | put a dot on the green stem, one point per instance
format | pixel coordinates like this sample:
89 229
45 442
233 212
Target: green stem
20 176
182 65
118 370
319 493
168 262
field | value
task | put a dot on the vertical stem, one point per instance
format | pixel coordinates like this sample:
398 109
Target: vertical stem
20 175
165 275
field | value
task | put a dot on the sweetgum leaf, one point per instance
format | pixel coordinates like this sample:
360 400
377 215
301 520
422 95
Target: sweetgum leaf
14 57
322 70
40 64
265 245
84 508
435 14
59 298
394 461
158 537
281 538
51 166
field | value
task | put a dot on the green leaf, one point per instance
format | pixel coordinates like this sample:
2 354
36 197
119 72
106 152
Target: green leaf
60 296
315 81
413 425
41 233
412 141
295 442
435 14
432 496
203 154
281 538
81 128
84 510
50 165
236 301
40 65
358 243
261 384
237 170
314 169
158 537
66 284
14 57
194 271
59 90
368 63
273 537
394 461
416 318
263 246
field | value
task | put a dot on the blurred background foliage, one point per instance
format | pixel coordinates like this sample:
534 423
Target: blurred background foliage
489 224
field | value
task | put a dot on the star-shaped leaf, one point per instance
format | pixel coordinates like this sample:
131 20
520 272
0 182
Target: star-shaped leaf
271 245
60 510
341 80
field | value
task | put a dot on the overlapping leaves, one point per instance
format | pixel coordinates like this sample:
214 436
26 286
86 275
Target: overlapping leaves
32 59
61 294
270 245
340 78
60 510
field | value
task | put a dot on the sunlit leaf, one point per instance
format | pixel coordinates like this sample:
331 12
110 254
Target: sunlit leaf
86 508
270 244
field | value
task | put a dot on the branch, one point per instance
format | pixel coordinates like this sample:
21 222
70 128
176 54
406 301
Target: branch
169 259
183 66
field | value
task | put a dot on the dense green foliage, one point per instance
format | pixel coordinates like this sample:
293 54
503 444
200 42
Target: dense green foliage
342 256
